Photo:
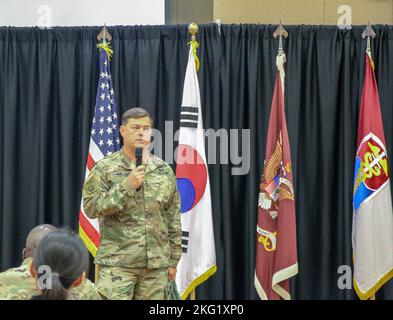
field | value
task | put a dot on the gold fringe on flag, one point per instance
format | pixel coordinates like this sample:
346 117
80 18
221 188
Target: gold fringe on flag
194 46
106 46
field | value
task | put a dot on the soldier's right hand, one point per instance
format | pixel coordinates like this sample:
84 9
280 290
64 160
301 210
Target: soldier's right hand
136 176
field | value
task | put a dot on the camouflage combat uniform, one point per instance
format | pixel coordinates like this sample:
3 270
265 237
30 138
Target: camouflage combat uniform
140 229
18 284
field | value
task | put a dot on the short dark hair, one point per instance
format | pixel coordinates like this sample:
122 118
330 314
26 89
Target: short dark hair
135 113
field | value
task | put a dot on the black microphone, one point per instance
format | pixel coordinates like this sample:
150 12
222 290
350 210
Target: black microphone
138 156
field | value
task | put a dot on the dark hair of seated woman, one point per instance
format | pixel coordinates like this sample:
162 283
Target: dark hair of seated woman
59 264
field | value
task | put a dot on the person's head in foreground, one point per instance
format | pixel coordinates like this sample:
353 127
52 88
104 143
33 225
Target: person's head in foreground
34 237
59 264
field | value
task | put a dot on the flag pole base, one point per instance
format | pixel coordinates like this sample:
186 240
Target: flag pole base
96 273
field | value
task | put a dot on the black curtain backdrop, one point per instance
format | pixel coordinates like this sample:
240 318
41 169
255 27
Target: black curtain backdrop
48 82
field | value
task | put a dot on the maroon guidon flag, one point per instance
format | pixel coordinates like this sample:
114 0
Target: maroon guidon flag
276 250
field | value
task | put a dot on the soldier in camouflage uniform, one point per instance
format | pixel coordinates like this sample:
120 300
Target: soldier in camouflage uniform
18 283
139 223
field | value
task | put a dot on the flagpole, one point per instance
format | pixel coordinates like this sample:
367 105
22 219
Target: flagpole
193 29
103 36
274 266
280 33
369 33
96 273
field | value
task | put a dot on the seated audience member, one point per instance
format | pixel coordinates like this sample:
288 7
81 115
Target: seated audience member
59 264
18 284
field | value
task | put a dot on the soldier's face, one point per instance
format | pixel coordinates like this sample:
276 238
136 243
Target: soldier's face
137 132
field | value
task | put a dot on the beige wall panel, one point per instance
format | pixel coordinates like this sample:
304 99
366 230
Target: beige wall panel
269 12
302 11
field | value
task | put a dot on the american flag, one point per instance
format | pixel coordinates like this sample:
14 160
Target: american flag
104 140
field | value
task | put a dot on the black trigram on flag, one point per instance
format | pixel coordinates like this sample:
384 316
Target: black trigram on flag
189 117
185 235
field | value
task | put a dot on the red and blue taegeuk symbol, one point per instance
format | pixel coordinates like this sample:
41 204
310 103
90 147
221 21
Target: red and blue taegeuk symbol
191 177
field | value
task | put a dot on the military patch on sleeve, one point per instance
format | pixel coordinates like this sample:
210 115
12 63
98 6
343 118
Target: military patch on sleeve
91 188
